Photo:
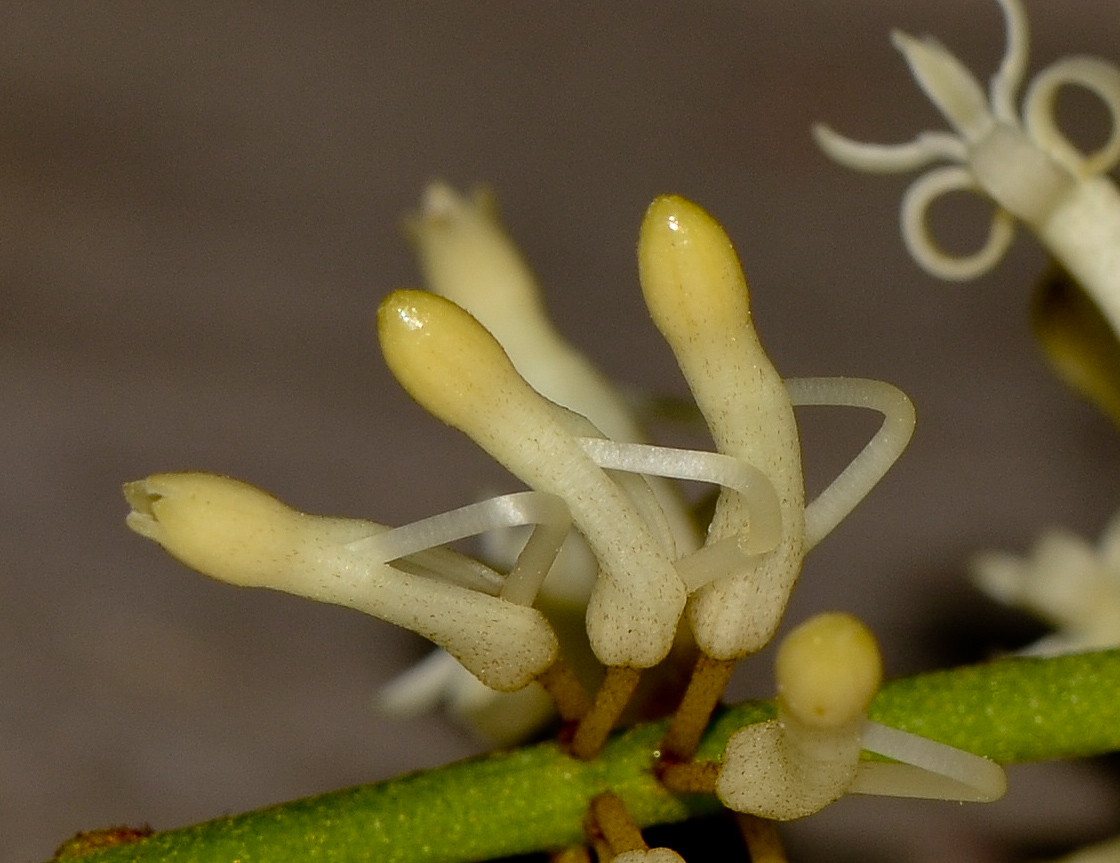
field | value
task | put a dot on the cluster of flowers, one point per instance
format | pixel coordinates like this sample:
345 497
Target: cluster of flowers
478 353
610 535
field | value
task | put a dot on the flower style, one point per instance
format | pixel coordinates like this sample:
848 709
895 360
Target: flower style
1027 166
1067 583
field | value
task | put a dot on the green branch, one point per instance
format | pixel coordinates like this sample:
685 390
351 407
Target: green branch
534 798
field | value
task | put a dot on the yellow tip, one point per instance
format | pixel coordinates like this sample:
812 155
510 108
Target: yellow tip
828 669
450 364
221 527
691 278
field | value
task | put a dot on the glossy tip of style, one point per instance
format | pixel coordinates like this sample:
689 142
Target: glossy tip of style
444 358
690 276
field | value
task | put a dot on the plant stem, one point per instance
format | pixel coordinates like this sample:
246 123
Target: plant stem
535 798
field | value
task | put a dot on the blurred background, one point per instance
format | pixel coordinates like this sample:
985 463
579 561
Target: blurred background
200 208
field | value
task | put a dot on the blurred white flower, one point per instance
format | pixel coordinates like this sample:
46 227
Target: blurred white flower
1066 582
1021 161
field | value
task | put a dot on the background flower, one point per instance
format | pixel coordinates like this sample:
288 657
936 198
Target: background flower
1065 581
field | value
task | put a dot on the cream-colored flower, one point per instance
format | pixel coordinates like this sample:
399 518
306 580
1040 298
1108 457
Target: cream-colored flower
1026 165
457 371
698 299
1066 582
828 669
236 533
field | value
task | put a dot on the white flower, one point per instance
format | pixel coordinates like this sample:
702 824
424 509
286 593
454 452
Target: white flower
698 299
1026 166
459 373
1066 582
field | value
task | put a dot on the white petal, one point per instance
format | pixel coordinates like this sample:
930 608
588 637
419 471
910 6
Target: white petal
948 83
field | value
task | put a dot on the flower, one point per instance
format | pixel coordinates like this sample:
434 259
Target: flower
458 372
1026 166
827 671
610 486
1064 581
698 299
236 533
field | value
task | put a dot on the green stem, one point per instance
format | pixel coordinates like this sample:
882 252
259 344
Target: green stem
534 798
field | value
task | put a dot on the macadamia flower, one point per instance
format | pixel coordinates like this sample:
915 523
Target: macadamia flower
1025 165
236 533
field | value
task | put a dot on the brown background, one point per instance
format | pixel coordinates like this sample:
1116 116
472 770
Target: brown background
199 210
